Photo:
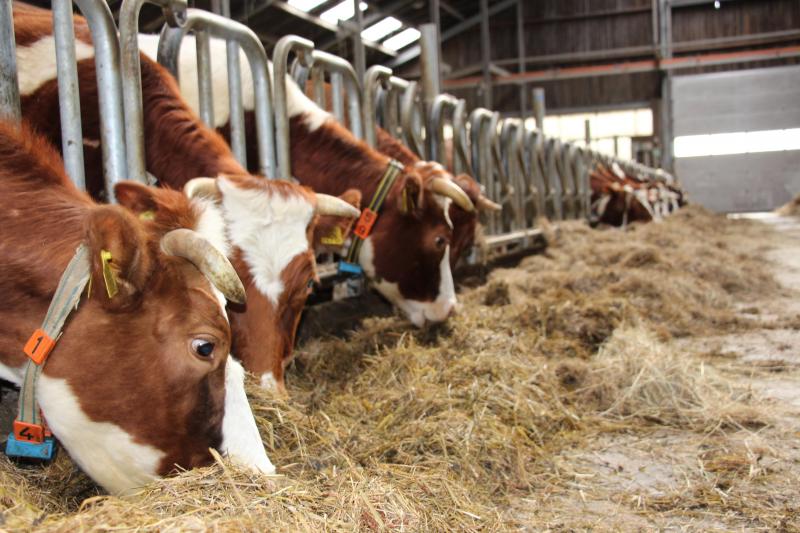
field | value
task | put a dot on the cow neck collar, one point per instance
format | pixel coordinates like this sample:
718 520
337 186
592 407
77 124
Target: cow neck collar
31 438
369 216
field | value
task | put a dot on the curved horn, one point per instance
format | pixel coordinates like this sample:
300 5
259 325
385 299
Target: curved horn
484 204
445 187
331 205
209 260
206 187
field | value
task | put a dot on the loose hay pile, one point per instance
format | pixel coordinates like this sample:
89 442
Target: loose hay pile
444 429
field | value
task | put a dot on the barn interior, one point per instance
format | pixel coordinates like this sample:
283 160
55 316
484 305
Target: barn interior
615 376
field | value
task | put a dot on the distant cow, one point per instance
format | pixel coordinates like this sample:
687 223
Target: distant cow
266 228
406 256
619 198
140 382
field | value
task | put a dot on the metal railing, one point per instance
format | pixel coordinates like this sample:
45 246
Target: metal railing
206 25
529 174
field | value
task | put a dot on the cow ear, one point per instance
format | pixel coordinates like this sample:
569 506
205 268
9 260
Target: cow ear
135 196
410 199
331 231
121 260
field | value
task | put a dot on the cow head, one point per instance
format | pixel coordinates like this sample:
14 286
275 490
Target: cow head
142 382
407 255
270 226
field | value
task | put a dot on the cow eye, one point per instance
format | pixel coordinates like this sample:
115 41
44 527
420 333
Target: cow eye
203 348
440 242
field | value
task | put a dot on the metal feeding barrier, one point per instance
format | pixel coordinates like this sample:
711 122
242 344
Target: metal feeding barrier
238 36
527 173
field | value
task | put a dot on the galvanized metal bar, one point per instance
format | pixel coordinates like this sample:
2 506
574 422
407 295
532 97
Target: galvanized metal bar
68 93
411 119
337 94
224 28
280 58
335 64
317 85
109 90
429 63
373 81
553 178
514 166
132 77
359 54
435 130
539 107
9 86
461 162
204 84
486 55
523 90
535 173
236 108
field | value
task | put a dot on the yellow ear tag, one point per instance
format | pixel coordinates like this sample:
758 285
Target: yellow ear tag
405 201
108 274
335 238
147 215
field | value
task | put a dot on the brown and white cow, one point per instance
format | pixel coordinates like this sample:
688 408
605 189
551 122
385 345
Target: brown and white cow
618 199
464 222
138 383
407 255
266 228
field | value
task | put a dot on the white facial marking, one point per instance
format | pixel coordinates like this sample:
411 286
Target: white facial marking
102 449
211 223
444 202
269 229
416 311
268 381
297 102
241 441
36 64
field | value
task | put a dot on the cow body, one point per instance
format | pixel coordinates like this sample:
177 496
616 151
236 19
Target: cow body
138 382
407 254
270 225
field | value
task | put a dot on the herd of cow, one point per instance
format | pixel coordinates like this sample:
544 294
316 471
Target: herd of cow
215 261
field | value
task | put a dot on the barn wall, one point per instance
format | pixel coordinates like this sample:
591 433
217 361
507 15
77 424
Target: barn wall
575 26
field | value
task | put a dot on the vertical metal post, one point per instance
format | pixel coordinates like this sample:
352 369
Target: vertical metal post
68 93
359 56
132 79
587 132
204 89
429 57
616 146
486 55
523 91
223 7
9 86
109 90
337 92
539 107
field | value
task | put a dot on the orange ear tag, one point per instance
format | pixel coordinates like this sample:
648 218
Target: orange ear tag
39 346
365 223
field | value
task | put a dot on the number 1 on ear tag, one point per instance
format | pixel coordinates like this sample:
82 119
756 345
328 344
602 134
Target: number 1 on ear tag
108 274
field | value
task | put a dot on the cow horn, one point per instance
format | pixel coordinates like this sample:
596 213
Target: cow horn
447 188
484 204
331 205
209 260
206 187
